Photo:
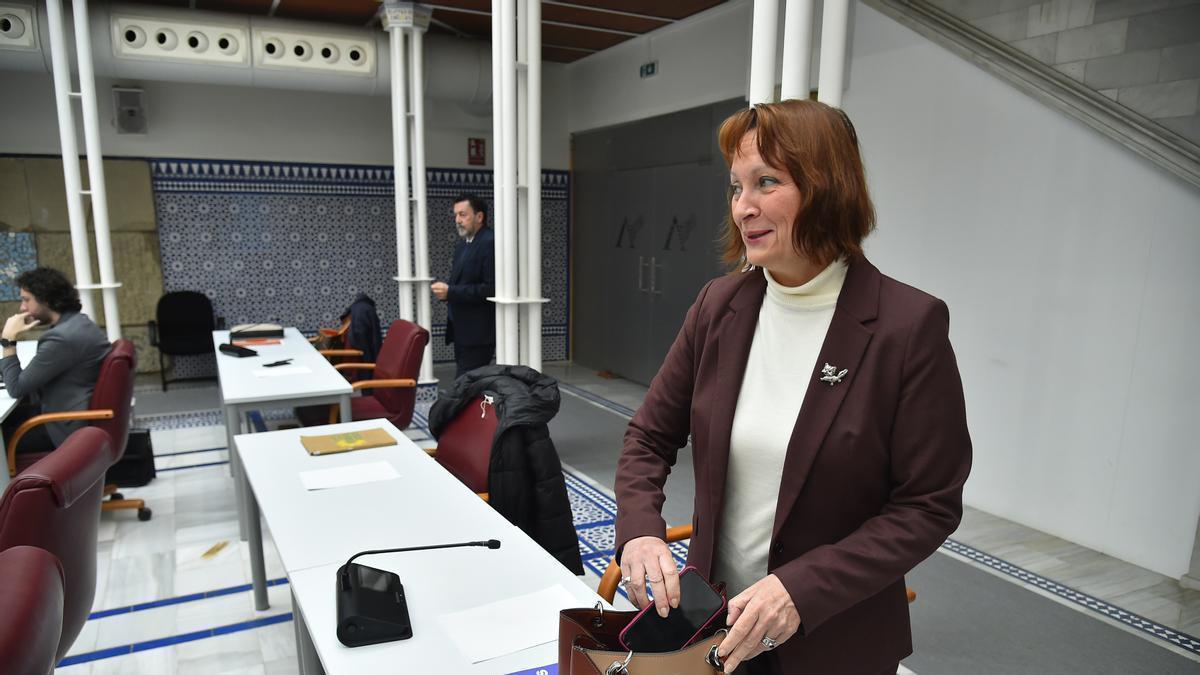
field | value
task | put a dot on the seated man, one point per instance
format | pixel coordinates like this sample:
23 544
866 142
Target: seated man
63 373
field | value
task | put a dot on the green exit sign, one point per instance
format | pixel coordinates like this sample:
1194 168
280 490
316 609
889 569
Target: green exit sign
648 69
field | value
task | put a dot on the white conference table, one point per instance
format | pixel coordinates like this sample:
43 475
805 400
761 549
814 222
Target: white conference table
247 385
25 351
316 531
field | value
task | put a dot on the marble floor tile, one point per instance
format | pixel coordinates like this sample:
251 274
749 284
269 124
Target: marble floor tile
81 669
138 579
139 626
199 438
86 640
222 610
209 533
137 538
208 577
219 654
277 641
107 529
137 663
270 557
287 666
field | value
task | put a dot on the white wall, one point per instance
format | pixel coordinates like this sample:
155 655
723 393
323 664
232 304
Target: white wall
1069 265
228 122
701 60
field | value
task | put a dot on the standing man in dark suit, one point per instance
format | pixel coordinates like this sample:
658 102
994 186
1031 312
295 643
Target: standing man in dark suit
62 375
470 317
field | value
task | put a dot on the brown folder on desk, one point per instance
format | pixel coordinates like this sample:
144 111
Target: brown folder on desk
352 440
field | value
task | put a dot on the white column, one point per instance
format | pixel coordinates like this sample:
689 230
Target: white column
80 248
522 137
400 169
835 23
506 264
95 162
762 51
533 182
797 48
498 154
421 254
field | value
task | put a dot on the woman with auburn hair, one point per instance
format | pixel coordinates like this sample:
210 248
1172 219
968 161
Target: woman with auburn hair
825 412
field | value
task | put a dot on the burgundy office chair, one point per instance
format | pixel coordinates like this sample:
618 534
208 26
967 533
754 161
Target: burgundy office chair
31 593
109 410
392 389
465 445
55 505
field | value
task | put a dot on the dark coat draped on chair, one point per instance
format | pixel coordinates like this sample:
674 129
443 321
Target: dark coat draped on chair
525 479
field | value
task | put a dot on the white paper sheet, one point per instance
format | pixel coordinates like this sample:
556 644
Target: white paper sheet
342 476
508 626
279 371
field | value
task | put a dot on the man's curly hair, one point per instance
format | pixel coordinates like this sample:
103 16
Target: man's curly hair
51 288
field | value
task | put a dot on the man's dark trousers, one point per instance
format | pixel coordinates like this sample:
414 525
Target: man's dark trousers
469 358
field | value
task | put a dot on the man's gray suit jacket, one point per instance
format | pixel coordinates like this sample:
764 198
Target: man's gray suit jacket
63 373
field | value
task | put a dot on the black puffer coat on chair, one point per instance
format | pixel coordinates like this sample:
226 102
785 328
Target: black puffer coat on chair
525 479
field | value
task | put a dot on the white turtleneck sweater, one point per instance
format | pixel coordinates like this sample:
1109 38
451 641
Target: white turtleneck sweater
791 328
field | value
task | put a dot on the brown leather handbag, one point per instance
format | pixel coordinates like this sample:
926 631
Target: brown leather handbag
588 645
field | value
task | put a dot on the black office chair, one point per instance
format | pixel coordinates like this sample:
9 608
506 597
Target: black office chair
184 326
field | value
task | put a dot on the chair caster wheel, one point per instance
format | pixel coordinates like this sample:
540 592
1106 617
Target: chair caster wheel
116 496
143 514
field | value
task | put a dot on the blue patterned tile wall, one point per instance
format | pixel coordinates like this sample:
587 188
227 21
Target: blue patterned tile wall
293 243
17 254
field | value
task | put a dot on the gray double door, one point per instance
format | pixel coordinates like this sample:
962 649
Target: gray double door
654 248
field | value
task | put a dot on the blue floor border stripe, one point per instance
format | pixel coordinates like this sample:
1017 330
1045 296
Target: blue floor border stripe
188 452
193 466
1139 623
192 597
173 640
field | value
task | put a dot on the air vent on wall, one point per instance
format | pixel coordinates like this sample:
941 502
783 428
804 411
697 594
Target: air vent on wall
159 39
17 28
329 53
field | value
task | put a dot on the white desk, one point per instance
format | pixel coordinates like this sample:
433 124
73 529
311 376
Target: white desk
243 391
315 532
25 351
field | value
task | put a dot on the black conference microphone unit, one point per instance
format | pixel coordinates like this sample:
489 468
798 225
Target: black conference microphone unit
370 602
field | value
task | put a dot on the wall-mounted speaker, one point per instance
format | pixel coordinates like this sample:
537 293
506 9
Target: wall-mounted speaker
129 111
17 29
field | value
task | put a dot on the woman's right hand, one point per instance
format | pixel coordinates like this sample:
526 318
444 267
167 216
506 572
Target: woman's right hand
647 560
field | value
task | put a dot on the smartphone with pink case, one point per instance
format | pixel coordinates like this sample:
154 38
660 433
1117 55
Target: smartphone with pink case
699 605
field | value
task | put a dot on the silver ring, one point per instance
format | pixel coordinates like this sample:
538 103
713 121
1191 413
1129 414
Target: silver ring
769 643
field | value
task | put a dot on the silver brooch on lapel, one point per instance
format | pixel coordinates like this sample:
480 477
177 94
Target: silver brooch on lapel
831 374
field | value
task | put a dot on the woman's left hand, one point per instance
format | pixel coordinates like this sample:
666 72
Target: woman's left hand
765 610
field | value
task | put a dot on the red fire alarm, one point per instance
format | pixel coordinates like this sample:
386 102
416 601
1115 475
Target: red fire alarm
477 151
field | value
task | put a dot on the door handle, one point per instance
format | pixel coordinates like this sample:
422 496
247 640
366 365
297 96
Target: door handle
654 265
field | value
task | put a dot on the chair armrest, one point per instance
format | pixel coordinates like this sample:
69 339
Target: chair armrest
354 366
313 340
384 384
152 329
46 418
339 352
334 413
482 495
432 452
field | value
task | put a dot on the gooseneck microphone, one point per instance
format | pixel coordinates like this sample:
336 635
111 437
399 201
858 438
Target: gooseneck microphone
370 602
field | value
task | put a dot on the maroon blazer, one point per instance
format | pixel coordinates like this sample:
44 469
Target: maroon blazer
872 482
